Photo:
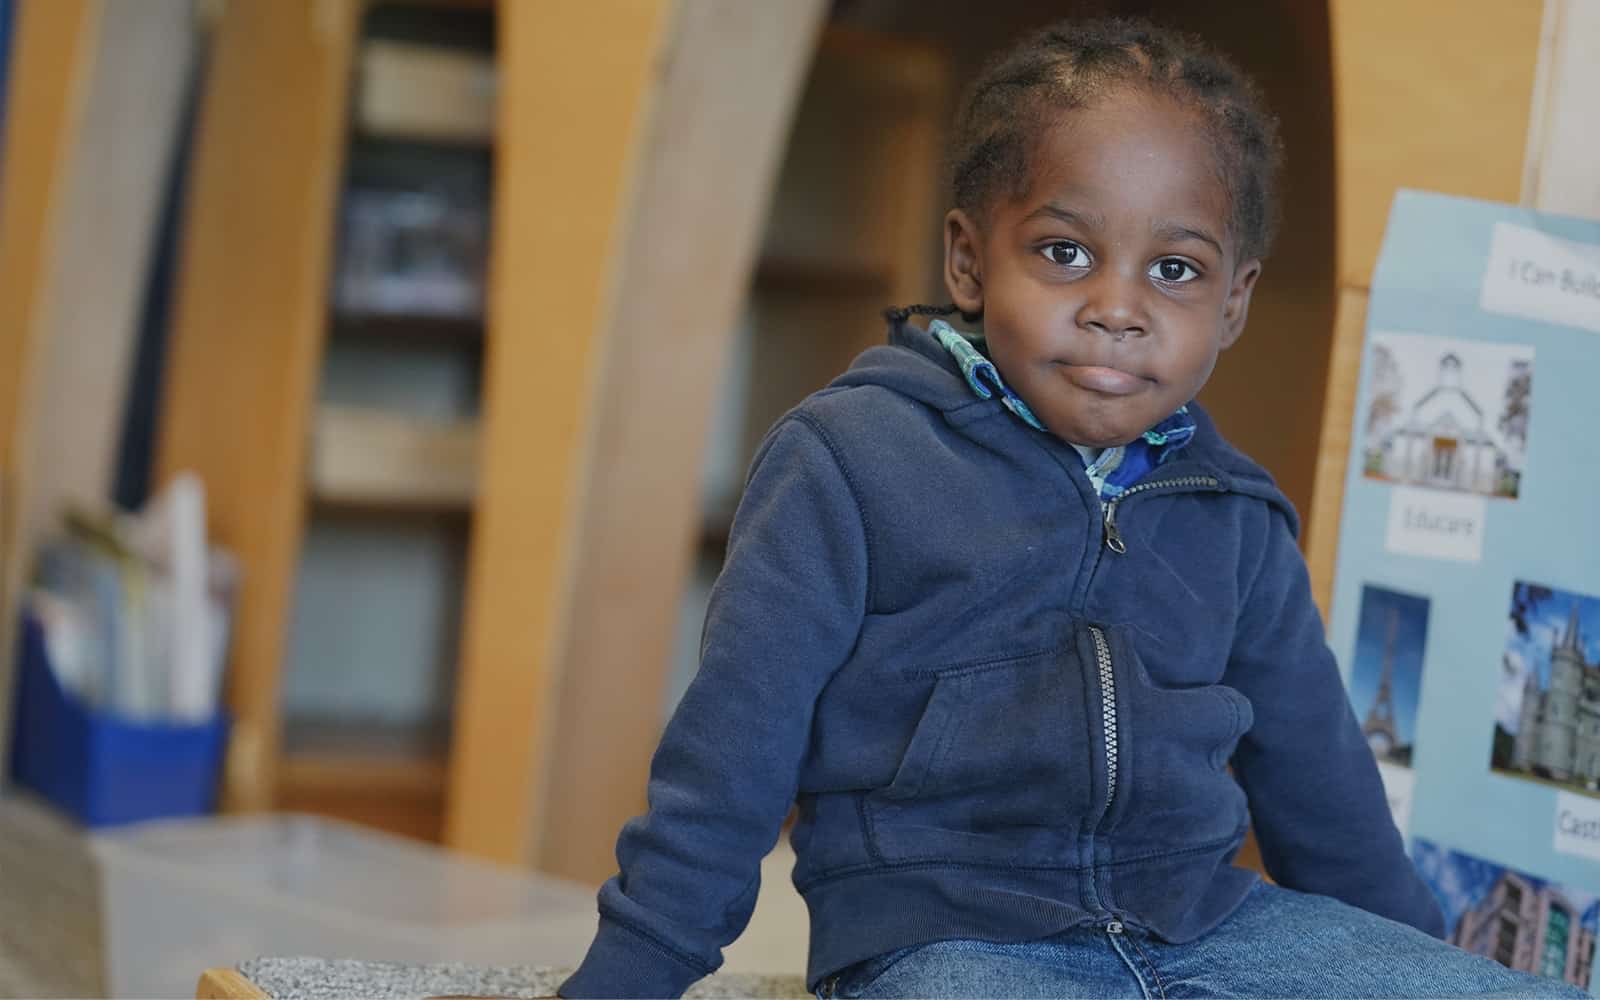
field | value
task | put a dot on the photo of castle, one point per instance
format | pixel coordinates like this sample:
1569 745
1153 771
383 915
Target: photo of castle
1547 715
1386 670
1520 921
1447 414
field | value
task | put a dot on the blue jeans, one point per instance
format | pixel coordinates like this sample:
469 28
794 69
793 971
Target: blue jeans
1278 943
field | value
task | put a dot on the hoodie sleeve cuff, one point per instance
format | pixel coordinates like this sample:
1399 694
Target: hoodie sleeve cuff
623 962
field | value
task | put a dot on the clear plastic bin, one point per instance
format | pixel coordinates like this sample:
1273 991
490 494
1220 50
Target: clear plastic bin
181 897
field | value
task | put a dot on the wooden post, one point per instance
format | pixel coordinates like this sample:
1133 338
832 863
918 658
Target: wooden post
625 229
564 171
690 244
99 91
249 318
50 42
45 89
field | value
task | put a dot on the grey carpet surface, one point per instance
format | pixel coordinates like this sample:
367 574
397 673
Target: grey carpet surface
346 979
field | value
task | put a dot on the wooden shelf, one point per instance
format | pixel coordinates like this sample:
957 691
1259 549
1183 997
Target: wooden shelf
386 509
536 752
465 330
343 739
426 92
472 5
373 459
402 796
799 276
391 777
310 774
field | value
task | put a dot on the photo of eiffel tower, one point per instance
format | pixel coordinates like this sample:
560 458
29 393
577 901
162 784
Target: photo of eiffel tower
1379 727
1386 670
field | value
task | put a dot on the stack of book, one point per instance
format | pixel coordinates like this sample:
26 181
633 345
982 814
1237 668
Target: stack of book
134 609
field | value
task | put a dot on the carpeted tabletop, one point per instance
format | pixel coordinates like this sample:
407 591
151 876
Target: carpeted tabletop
346 979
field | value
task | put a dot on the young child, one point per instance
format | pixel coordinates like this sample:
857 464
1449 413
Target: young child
1000 613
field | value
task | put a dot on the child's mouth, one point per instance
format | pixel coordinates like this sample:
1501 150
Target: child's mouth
1106 381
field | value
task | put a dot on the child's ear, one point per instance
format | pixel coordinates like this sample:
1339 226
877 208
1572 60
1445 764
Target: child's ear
1237 307
963 266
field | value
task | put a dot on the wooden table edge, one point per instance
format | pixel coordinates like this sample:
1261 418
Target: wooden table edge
227 984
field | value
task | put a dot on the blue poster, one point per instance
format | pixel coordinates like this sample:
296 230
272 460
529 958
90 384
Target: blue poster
1466 610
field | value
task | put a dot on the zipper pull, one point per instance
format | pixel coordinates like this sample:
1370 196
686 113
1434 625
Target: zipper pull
1113 536
1115 927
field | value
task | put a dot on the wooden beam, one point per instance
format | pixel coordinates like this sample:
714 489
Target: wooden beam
82 249
574 89
42 108
1431 94
50 47
249 317
105 227
732 69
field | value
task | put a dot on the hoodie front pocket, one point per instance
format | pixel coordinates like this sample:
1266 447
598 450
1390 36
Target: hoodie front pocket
1175 746
997 769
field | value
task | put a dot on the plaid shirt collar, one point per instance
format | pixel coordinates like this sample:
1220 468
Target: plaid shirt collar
1117 468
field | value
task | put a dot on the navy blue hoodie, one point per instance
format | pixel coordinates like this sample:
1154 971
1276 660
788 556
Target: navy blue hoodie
996 724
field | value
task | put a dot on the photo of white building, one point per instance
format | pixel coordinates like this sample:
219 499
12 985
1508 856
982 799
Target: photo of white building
1447 414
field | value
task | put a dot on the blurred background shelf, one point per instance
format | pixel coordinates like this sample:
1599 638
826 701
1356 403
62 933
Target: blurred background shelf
403 459
386 776
418 91
377 742
801 276
329 775
463 331
339 427
370 458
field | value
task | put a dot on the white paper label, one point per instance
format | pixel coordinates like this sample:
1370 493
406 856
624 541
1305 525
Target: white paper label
1578 825
1398 784
1435 524
1534 275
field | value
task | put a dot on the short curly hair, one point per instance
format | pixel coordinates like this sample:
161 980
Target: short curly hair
1073 63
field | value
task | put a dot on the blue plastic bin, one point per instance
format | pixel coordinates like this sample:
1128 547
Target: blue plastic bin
101 769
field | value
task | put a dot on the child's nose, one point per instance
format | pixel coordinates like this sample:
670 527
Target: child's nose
1112 306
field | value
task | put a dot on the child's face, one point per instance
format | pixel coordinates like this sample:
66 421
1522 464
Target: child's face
1108 290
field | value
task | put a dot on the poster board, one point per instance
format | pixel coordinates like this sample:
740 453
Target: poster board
1466 610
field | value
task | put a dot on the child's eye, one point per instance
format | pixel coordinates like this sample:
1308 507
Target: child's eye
1173 270
1065 253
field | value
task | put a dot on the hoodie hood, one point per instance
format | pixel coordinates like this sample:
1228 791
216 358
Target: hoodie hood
914 364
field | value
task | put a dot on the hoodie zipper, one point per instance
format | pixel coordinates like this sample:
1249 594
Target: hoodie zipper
1113 537
1102 649
1108 708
